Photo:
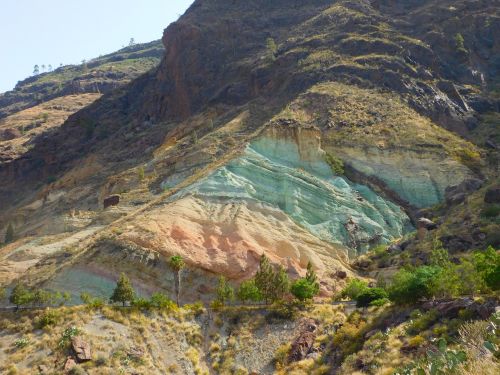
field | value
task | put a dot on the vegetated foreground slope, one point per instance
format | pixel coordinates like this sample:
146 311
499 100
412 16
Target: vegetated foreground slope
306 131
356 121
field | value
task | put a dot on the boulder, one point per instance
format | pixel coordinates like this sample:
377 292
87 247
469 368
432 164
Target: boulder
340 274
451 308
427 224
10 133
492 195
301 347
81 349
112 200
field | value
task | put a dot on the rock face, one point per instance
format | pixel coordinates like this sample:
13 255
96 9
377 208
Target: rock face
303 344
457 193
286 169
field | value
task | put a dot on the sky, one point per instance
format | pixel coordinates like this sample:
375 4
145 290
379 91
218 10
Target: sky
68 31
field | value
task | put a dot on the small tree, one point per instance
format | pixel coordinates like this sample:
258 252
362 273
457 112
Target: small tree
225 292
264 278
161 301
312 278
131 42
177 264
303 290
20 295
123 292
36 70
43 68
280 285
370 295
353 289
248 292
42 297
9 234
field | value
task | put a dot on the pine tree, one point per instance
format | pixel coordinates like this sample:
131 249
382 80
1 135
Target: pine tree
36 70
177 264
312 278
123 292
280 284
264 278
20 295
225 292
9 234
248 292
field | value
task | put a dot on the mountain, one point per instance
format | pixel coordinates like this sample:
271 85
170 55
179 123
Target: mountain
359 136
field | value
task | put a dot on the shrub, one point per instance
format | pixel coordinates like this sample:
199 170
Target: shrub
67 335
380 302
303 289
487 264
196 308
248 292
416 341
354 288
48 318
335 163
491 211
22 342
281 355
439 361
372 294
142 303
421 322
225 292
409 286
161 301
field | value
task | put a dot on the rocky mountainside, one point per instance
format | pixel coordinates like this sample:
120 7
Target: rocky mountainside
310 131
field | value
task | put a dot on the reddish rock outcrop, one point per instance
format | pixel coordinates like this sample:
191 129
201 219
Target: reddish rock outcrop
81 348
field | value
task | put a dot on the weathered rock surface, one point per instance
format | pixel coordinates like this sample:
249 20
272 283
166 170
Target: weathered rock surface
456 194
81 348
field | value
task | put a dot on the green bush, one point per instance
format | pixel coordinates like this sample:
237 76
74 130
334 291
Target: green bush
491 211
409 286
354 288
487 264
48 318
303 289
142 303
248 292
372 294
161 301
335 163
380 302
420 322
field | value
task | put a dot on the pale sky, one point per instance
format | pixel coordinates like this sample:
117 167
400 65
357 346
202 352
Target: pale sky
68 31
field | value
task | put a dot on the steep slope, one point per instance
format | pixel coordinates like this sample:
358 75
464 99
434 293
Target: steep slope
232 135
99 75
